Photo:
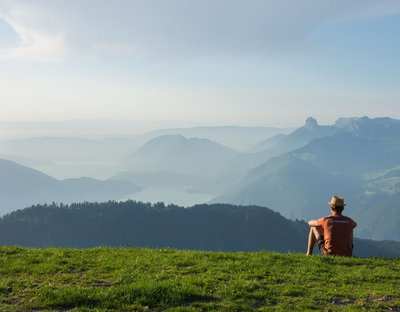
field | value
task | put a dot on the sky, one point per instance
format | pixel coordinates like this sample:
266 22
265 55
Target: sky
209 62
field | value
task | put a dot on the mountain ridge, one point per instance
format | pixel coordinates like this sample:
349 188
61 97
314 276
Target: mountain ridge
215 227
21 186
361 167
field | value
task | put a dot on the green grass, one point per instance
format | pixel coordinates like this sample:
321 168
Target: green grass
127 279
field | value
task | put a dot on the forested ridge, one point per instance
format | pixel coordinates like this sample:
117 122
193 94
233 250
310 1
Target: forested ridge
220 227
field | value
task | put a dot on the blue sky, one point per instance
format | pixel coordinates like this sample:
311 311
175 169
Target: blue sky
199 62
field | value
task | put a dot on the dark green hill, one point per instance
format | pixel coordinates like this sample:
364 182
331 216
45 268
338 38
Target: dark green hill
202 227
205 227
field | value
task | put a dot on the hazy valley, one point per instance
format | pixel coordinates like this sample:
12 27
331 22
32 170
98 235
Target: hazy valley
291 171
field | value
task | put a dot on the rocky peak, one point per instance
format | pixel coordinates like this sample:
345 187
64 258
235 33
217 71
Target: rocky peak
311 123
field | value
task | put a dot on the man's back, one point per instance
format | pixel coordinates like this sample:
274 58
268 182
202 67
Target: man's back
338 235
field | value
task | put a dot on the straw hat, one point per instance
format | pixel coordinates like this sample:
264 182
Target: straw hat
337 201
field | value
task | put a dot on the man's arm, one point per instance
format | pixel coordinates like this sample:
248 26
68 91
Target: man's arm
313 223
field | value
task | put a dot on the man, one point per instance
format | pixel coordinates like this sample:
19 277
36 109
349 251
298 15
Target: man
334 233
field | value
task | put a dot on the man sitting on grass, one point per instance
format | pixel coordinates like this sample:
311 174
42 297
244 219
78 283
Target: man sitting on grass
334 233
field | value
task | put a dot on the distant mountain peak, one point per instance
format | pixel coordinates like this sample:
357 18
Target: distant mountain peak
311 123
375 128
344 123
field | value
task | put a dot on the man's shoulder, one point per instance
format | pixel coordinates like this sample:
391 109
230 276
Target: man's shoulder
347 218
335 219
322 220
325 218
340 219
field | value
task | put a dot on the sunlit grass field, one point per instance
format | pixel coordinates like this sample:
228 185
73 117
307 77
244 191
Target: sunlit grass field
129 279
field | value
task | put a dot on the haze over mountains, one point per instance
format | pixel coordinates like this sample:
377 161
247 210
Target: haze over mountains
107 156
357 157
292 172
21 187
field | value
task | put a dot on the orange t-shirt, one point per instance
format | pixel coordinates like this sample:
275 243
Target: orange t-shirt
338 235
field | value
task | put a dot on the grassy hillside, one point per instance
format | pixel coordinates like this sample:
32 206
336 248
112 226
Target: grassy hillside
168 280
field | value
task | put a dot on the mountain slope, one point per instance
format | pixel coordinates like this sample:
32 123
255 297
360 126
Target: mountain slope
359 160
21 186
347 154
237 138
375 128
288 185
302 136
267 143
175 153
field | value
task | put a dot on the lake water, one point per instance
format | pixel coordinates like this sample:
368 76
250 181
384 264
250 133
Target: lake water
178 195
